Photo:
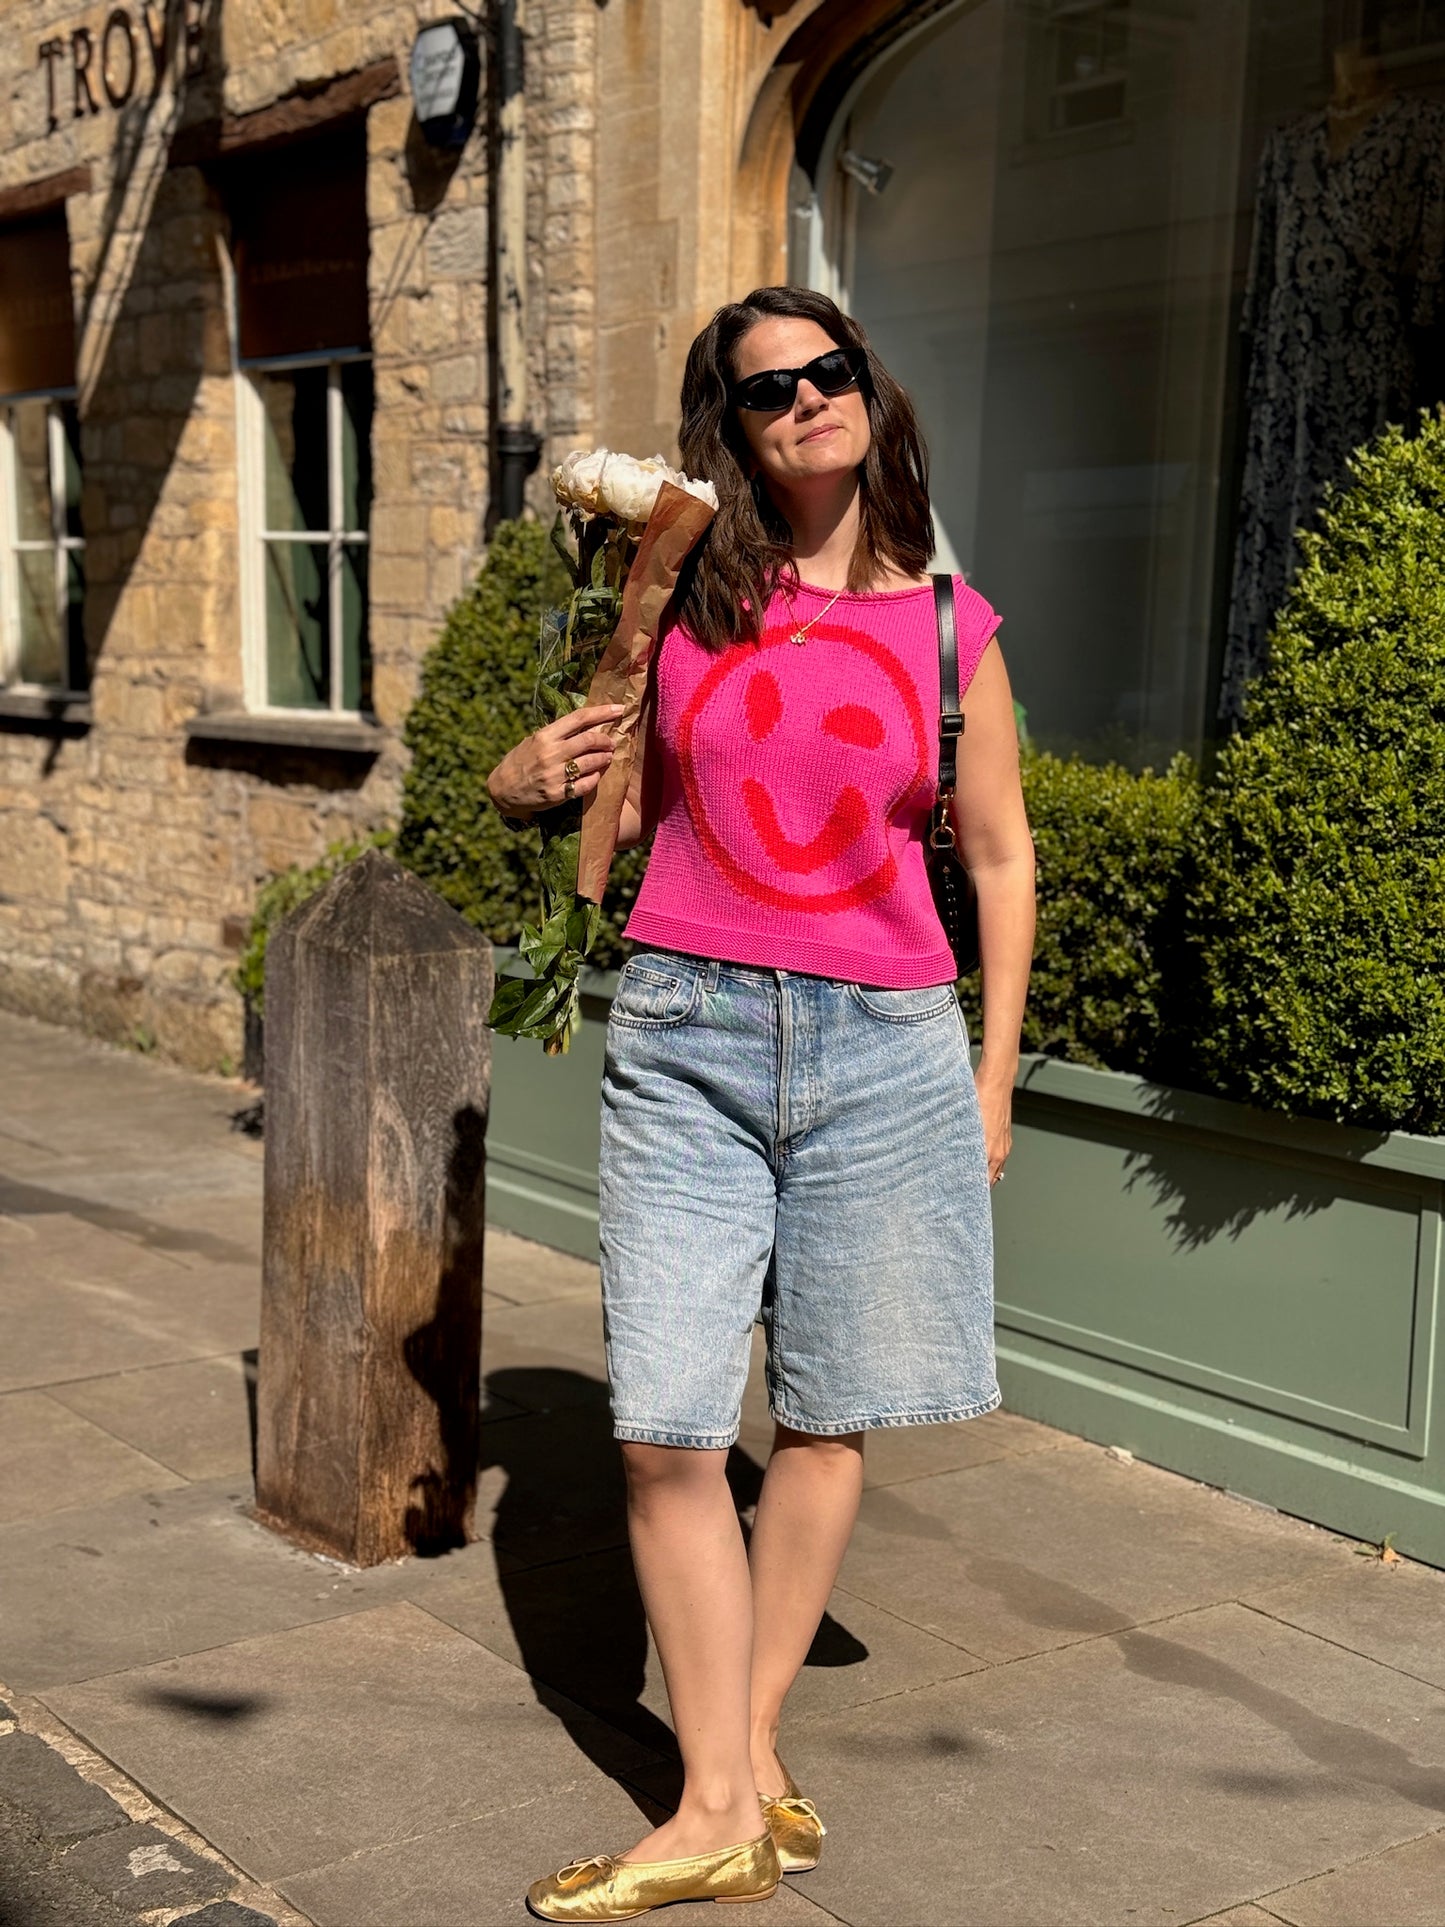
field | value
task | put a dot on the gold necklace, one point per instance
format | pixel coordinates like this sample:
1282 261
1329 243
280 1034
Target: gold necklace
800 635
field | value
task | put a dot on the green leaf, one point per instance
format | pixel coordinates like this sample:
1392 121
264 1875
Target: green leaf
559 863
581 926
507 1000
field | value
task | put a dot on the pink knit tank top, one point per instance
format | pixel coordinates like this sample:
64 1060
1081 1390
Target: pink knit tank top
797 783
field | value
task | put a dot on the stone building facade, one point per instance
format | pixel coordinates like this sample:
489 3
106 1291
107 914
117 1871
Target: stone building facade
238 282
144 791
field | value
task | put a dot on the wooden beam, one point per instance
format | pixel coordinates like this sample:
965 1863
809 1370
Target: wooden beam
34 197
285 120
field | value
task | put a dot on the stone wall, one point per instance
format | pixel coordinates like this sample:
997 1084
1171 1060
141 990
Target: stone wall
128 860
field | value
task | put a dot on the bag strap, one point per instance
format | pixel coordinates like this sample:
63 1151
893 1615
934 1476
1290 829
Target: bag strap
950 716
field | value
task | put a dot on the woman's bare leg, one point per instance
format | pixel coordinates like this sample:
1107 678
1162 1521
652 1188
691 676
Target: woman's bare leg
804 1518
692 1570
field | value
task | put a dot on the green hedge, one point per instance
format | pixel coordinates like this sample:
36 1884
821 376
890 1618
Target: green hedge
1110 845
475 702
1318 914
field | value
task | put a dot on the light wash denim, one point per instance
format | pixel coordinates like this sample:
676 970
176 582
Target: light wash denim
805 1150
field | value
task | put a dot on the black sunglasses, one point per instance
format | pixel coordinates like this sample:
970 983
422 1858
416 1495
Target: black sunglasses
777 388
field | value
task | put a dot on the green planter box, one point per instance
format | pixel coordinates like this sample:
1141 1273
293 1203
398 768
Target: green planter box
542 1135
1246 1298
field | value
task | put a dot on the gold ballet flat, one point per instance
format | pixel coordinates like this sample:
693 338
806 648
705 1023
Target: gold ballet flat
605 1888
794 1824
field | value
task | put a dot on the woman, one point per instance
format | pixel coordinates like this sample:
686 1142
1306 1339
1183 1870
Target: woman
789 1121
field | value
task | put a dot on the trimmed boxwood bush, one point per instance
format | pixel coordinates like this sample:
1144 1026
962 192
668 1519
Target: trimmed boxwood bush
475 702
1318 913
1109 844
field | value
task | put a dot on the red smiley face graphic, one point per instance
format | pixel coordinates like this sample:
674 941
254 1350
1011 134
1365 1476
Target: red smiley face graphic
843 858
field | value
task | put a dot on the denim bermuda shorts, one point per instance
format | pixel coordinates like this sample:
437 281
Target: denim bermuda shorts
803 1150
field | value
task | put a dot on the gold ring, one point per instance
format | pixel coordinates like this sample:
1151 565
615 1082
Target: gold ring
568 792
572 770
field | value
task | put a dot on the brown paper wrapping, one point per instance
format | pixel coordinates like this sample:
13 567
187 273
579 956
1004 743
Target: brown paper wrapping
676 525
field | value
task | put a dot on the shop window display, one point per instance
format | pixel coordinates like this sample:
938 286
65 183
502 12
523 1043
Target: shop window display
1151 270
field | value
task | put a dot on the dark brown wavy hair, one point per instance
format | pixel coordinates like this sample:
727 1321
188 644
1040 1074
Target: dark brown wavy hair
748 549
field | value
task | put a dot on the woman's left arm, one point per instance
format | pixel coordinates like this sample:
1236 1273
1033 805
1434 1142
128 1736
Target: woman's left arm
993 839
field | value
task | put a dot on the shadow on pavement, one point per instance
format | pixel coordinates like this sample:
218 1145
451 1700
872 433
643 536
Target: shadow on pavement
565 1571
217 1709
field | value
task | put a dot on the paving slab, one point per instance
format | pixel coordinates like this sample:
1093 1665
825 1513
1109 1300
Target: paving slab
351 1734
476 1875
1043 1548
82 1098
896 1455
59 1804
141 1867
528 1274
52 1458
1402 1887
545 1355
82 1303
1248 1916
228 1913
1394 1613
148 1207
1162 1775
578 1628
551 1484
152 1575
193 1417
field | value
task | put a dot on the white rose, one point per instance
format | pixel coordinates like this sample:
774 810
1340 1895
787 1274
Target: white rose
629 486
575 481
621 487
704 491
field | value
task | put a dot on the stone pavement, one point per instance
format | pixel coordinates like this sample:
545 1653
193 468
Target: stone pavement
1055 1689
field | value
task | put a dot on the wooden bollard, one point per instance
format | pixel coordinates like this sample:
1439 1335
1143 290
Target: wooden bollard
378 1072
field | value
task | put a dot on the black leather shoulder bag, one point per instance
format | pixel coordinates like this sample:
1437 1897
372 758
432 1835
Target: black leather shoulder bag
954 895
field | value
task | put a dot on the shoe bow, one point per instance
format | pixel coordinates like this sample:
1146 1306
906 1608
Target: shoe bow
798 1809
576 1870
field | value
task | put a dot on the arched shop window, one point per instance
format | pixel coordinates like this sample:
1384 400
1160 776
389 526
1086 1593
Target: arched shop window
305 400
1150 268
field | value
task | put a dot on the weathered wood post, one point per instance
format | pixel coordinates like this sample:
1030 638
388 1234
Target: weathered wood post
378 1071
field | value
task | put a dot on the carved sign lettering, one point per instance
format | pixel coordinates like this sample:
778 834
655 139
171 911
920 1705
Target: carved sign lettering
92 68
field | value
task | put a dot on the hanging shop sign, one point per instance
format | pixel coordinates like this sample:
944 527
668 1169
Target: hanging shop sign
93 68
446 78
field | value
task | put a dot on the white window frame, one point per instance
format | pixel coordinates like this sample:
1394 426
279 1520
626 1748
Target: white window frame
1056 91
251 444
11 544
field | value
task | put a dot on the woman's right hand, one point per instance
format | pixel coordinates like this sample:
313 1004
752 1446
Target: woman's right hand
533 776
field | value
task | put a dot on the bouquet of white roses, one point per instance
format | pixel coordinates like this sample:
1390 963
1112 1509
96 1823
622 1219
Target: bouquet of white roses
633 524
